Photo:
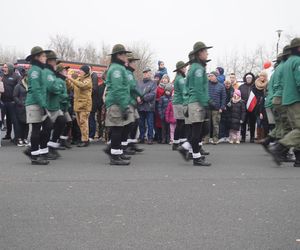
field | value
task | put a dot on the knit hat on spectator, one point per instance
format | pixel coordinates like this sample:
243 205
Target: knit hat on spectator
166 76
85 69
215 73
169 87
237 92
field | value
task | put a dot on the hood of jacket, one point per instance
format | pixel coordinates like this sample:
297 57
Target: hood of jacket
253 77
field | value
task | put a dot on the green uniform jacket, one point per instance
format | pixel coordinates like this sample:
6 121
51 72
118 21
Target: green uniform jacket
133 92
117 86
278 80
198 84
37 88
291 80
179 86
269 98
54 89
64 97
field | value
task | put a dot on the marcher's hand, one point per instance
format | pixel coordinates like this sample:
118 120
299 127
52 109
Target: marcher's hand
261 116
220 110
125 113
241 121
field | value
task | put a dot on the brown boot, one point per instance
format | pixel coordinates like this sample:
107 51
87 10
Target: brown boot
258 135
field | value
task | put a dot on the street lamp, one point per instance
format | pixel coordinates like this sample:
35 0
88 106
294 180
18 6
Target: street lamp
279 35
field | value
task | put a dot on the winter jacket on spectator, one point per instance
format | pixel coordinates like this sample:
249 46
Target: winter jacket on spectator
9 82
82 93
148 90
259 90
20 93
221 78
238 114
226 114
162 106
217 95
95 92
169 114
246 88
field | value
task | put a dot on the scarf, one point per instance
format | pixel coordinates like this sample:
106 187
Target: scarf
236 100
261 85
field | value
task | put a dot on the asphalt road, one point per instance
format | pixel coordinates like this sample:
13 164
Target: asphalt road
243 201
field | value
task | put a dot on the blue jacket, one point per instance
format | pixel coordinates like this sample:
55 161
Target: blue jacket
217 95
162 105
221 79
148 90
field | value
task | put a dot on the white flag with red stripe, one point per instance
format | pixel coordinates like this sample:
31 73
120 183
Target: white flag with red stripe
252 101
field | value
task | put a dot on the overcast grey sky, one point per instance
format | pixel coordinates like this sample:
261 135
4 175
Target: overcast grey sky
170 27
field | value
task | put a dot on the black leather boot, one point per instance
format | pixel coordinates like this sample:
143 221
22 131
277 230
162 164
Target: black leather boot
38 160
128 151
184 153
266 142
203 152
200 162
297 162
116 160
175 146
135 148
278 152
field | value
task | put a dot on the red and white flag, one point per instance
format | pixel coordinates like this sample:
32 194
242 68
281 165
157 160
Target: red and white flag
252 101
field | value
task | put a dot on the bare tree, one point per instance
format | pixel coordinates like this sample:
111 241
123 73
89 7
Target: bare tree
10 55
63 46
142 51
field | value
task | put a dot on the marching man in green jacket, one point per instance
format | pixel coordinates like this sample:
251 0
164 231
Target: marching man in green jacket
55 89
197 83
179 86
291 100
117 103
36 108
135 98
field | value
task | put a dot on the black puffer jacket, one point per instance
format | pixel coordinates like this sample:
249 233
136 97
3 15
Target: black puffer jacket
9 81
226 114
246 88
238 113
20 93
95 92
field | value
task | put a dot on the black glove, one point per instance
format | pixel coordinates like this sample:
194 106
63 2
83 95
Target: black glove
43 112
211 104
186 113
125 114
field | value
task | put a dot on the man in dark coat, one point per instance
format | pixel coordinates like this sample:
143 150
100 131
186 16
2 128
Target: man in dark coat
250 119
10 80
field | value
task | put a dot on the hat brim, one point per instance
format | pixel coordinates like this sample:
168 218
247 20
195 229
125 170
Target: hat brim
206 47
134 59
28 58
186 64
145 71
121 52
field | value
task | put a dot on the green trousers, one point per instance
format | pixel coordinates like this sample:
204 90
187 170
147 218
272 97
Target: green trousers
292 138
282 125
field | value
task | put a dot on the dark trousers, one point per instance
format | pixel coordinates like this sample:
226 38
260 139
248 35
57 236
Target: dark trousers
224 125
58 128
11 119
196 136
40 134
179 130
92 125
134 128
146 117
23 130
165 131
116 137
251 120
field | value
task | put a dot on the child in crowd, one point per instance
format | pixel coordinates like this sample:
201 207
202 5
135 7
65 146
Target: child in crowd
170 119
238 113
162 107
162 70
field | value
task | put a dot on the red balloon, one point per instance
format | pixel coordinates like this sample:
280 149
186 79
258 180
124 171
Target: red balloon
267 64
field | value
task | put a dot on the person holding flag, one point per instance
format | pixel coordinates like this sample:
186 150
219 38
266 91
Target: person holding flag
249 98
